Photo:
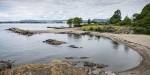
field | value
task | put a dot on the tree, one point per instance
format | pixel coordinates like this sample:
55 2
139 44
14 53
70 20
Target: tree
126 21
89 21
116 18
143 19
145 12
76 22
135 16
70 22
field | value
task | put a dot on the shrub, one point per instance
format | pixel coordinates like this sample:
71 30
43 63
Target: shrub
141 30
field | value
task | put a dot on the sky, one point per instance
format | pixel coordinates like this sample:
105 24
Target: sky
64 9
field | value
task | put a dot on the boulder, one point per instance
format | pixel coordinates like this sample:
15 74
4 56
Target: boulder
84 57
69 57
5 65
89 64
73 46
101 65
54 42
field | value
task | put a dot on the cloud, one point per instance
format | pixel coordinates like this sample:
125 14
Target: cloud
64 9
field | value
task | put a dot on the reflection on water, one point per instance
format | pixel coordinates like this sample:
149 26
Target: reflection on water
126 48
31 49
97 37
115 45
74 36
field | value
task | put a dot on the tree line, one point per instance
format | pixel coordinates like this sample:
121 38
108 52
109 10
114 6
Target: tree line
140 22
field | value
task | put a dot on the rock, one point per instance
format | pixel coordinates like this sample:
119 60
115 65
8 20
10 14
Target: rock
20 31
85 33
5 65
62 33
73 46
56 67
84 57
98 72
101 65
69 57
54 42
89 64
109 73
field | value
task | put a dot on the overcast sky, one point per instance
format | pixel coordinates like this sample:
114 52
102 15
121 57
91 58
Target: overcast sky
64 9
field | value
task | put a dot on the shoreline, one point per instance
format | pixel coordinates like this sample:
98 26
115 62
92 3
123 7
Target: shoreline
143 50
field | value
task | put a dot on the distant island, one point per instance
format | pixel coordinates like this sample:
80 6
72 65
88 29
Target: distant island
49 21
35 21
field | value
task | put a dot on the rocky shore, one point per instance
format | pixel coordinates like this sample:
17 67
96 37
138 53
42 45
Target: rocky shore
59 67
20 31
140 43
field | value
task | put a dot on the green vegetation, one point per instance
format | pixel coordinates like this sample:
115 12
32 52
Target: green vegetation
108 28
69 22
126 21
116 18
139 24
89 21
142 21
74 22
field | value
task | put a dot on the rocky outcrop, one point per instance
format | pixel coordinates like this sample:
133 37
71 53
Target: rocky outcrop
54 42
5 65
56 67
20 31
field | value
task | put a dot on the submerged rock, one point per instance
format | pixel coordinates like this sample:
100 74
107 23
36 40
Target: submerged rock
20 31
73 46
54 42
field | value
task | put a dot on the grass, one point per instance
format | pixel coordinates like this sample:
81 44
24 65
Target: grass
108 28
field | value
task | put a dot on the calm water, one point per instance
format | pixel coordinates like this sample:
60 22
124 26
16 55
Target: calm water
31 49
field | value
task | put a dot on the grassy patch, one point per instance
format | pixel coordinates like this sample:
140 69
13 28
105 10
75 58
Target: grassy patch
108 28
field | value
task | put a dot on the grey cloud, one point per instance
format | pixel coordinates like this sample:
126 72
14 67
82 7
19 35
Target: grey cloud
63 9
